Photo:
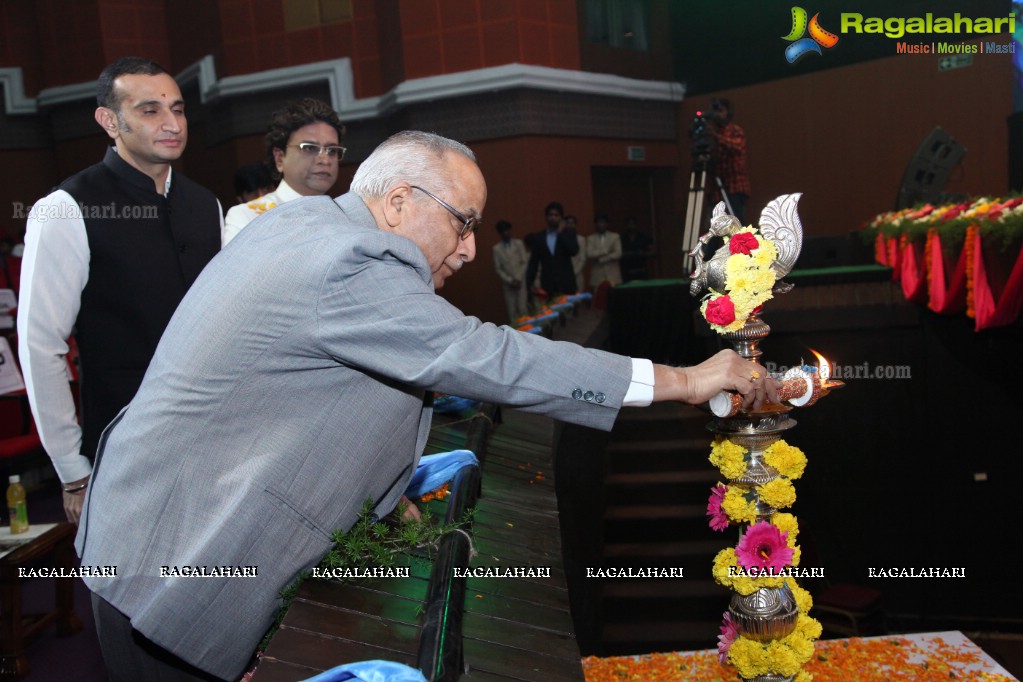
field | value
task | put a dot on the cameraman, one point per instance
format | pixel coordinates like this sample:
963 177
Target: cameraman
730 156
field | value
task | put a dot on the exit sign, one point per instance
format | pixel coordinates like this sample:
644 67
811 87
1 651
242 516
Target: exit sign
956 61
636 153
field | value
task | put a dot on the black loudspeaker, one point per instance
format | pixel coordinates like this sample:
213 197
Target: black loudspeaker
928 170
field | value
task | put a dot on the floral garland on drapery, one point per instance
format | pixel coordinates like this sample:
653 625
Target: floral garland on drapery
911 238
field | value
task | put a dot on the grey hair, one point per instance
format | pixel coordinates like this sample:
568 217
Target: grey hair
410 156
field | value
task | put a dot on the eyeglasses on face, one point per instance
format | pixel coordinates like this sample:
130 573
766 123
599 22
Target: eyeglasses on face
469 223
311 149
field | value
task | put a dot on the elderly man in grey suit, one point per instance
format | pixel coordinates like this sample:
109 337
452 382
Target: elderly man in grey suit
291 386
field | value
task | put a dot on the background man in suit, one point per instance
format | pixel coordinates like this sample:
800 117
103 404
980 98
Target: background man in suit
109 254
551 252
604 249
510 259
292 385
579 259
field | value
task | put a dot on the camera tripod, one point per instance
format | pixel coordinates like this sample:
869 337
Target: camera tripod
695 204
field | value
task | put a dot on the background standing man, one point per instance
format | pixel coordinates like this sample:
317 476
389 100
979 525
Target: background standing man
108 256
303 145
604 249
579 259
551 252
312 345
730 157
510 260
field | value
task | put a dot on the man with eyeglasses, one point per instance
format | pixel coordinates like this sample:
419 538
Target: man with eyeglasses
303 147
295 382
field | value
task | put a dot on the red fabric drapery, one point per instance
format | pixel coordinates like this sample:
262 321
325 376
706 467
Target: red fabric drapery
987 311
946 296
913 275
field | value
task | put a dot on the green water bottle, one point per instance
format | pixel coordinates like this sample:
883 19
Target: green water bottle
17 505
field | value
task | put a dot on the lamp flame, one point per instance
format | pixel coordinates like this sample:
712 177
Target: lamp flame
823 368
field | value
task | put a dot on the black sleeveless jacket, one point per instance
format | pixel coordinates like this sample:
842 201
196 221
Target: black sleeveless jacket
145 251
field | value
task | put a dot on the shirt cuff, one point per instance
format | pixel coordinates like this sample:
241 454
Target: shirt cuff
72 467
641 388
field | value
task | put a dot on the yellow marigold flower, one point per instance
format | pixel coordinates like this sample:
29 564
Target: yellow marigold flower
724 559
778 493
808 627
748 657
804 676
736 506
802 649
797 554
782 659
729 457
804 600
786 523
787 459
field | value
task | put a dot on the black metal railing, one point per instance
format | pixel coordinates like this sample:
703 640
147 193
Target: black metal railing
440 644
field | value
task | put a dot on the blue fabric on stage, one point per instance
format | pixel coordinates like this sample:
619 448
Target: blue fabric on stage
370 671
447 404
436 470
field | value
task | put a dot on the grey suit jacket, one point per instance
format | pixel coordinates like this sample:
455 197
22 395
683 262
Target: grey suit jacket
287 389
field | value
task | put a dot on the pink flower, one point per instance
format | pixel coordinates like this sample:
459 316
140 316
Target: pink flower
763 548
721 311
743 243
718 519
729 633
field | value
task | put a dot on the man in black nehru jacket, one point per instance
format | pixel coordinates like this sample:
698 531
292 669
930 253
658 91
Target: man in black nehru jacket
108 256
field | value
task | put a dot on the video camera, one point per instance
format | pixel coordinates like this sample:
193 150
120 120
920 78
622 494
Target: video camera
700 135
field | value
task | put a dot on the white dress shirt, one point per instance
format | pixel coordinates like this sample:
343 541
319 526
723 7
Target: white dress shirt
241 215
57 248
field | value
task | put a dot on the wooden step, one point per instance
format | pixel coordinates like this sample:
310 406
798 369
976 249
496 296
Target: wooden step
681 549
661 589
640 478
655 511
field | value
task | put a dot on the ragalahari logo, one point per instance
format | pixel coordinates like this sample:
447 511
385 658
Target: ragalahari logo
800 46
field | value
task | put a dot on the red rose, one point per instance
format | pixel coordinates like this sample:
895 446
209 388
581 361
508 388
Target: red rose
743 243
721 311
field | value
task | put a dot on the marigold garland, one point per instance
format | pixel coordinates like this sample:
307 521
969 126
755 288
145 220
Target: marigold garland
784 656
970 246
738 502
732 459
932 235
